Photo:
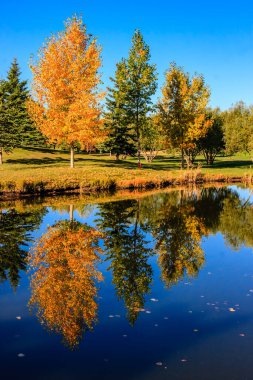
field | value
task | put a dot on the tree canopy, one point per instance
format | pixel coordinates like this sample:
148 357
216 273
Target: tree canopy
182 110
65 88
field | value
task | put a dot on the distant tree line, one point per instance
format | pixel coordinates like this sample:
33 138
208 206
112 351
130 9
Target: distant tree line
64 106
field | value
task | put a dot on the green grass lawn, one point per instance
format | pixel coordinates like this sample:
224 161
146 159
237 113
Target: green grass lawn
52 167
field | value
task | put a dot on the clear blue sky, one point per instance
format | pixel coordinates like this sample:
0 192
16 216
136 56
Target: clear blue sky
214 38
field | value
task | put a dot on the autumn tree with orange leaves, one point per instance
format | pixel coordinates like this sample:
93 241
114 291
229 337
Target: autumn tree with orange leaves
65 102
63 284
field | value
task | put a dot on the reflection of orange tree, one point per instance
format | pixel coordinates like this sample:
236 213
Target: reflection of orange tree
64 282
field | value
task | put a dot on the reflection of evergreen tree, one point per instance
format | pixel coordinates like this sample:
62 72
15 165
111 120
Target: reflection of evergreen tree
63 284
15 235
127 249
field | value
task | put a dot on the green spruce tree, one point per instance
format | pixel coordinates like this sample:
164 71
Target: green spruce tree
16 127
140 86
7 138
120 137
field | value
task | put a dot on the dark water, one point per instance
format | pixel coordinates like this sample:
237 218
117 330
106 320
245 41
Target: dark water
157 287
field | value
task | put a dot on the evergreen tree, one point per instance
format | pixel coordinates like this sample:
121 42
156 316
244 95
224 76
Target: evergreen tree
141 84
7 137
120 137
16 127
16 94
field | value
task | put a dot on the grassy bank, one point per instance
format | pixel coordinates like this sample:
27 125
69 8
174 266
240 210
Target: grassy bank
34 171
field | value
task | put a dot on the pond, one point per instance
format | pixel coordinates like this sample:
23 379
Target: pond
154 286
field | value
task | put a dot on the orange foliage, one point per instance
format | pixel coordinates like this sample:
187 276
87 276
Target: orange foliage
64 282
65 104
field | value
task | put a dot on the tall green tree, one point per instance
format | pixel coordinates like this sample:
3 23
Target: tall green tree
140 86
16 127
7 137
120 136
213 142
183 110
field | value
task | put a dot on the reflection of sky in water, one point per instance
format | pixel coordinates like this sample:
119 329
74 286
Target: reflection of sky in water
243 193
186 332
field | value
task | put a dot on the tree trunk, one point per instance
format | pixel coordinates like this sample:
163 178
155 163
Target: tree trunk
139 151
1 156
117 157
71 213
72 156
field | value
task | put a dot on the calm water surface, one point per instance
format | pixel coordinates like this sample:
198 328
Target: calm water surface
154 287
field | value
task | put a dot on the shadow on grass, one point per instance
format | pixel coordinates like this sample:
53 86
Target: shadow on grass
160 163
228 164
45 150
37 161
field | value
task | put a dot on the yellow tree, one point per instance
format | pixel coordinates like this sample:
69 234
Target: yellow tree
63 284
183 110
65 102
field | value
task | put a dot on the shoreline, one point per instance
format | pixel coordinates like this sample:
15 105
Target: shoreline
35 188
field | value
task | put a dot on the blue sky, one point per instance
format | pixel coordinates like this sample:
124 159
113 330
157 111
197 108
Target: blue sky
214 38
